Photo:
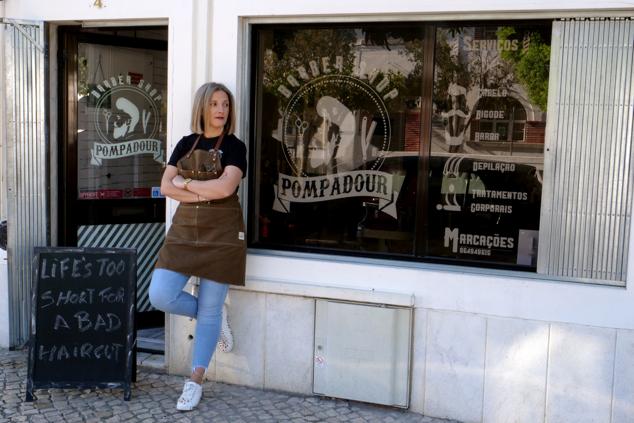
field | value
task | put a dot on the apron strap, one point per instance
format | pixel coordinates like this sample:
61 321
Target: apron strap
193 146
216 147
219 142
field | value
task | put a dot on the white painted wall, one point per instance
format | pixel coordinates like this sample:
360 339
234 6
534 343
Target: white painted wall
540 349
207 43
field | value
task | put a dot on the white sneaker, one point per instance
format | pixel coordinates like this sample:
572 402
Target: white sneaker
189 399
225 343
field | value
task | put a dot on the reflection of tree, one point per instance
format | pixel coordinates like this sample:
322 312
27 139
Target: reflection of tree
292 49
492 68
511 60
82 78
296 48
448 68
531 64
289 58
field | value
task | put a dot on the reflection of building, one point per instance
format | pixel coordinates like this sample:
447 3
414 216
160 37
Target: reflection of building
502 122
501 119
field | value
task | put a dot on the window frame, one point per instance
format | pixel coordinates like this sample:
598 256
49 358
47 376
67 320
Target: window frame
420 240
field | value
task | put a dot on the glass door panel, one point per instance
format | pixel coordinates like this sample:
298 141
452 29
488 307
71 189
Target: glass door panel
120 121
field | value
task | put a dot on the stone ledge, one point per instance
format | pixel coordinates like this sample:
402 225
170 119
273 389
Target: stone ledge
328 292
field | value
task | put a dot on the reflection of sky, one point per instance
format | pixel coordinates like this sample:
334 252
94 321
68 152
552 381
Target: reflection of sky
377 57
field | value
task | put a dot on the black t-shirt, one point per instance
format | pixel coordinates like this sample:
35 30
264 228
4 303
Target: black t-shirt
234 152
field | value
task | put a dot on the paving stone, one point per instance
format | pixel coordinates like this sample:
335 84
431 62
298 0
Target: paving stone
154 398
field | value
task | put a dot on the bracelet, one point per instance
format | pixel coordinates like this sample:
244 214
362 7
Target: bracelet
185 182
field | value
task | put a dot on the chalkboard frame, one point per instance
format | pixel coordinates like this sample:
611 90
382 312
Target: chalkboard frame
33 382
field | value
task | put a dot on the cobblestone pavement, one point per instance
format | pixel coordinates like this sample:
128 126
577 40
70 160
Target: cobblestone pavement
154 398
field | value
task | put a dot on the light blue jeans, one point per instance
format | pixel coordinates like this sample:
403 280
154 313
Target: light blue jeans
166 294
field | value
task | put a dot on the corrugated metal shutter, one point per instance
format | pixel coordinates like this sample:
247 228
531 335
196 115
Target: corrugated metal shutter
27 194
587 196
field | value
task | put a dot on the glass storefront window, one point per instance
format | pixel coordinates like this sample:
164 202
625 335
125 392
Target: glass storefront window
364 145
338 138
121 121
484 188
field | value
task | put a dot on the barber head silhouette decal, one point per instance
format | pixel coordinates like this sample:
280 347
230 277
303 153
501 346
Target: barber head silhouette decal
335 134
126 119
335 123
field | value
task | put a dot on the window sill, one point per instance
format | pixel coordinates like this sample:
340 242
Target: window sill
425 266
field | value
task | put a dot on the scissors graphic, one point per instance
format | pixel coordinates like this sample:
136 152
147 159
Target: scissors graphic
301 125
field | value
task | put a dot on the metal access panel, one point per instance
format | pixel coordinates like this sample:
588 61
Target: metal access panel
362 352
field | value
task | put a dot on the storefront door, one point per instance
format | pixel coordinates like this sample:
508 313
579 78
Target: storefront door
113 97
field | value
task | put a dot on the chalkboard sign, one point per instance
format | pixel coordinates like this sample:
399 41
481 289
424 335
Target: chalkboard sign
82 319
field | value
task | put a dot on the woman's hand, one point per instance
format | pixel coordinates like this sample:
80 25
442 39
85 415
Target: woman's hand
222 187
173 186
179 182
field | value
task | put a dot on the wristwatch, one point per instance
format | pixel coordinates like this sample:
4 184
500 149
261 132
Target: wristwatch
185 182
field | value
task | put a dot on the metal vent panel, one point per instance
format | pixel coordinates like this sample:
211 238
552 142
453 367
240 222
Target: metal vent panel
362 352
587 198
26 164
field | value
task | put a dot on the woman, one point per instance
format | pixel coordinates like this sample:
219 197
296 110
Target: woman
206 238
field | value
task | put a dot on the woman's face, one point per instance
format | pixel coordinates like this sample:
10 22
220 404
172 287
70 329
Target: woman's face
217 111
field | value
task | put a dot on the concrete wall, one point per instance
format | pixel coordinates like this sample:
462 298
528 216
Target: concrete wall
469 367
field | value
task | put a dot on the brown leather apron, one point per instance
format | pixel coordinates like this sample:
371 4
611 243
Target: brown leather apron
206 239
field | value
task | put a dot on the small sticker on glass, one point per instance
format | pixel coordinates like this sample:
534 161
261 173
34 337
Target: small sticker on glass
156 192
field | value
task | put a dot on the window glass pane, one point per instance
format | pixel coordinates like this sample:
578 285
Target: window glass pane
486 158
518 131
121 121
338 138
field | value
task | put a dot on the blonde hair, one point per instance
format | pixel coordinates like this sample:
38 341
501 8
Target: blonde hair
202 100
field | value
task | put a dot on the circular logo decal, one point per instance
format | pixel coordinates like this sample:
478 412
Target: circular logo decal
124 113
335 123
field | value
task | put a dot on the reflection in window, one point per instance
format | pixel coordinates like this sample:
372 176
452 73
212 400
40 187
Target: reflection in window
498 120
345 161
121 113
484 186
338 137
